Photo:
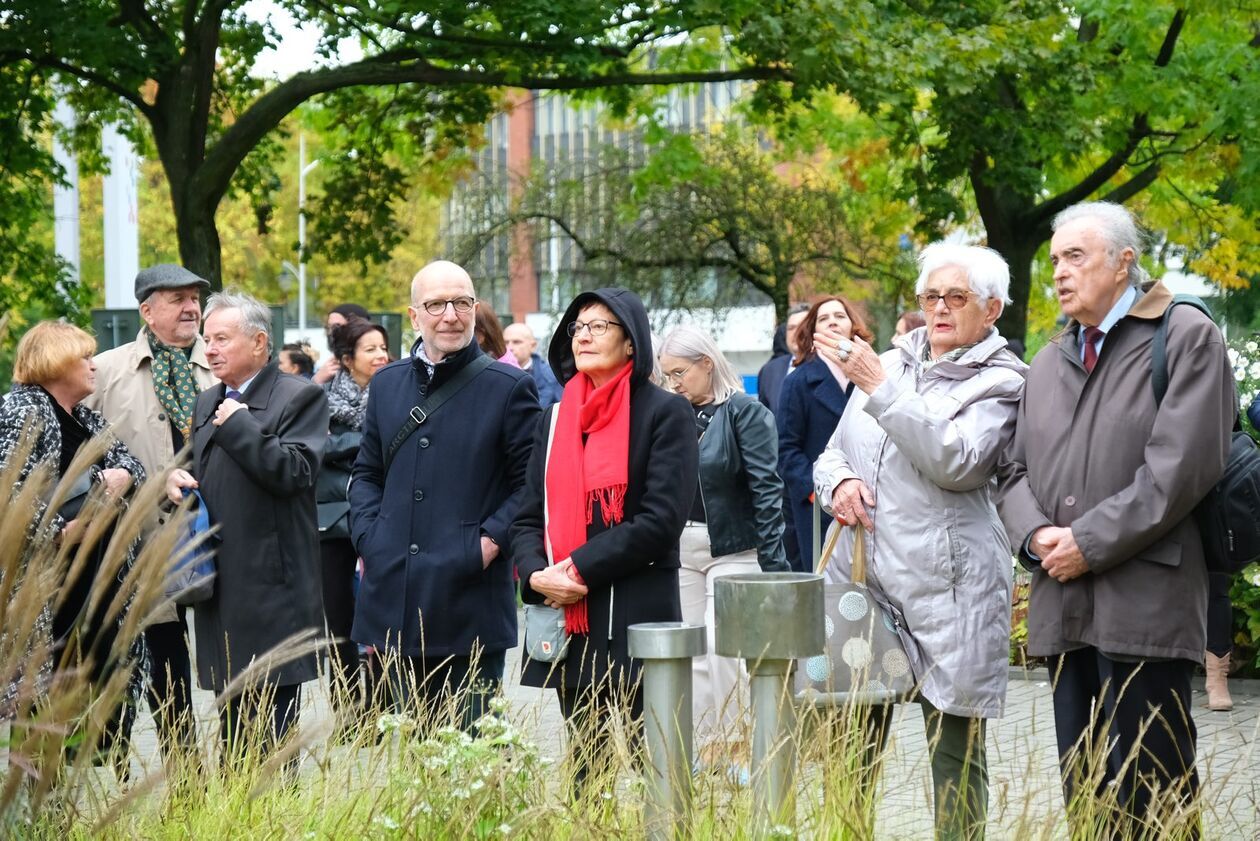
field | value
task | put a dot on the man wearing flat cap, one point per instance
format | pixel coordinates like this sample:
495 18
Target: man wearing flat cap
146 390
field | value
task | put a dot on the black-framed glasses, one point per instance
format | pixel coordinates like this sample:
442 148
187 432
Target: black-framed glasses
596 326
463 305
955 299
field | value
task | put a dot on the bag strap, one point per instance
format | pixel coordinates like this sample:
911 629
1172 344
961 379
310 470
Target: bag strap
1159 345
1159 353
829 549
420 414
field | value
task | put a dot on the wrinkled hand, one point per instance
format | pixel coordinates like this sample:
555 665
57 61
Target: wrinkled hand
1061 558
559 584
226 409
862 366
489 551
327 370
850 501
116 481
176 481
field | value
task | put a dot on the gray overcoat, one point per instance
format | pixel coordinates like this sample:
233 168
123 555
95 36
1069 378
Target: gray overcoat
927 442
257 475
1092 452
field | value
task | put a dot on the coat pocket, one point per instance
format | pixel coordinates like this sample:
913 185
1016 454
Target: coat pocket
472 548
1165 553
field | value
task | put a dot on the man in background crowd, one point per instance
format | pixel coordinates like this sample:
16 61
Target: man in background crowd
521 342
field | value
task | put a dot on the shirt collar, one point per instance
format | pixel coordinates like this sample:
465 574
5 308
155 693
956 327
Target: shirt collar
1118 311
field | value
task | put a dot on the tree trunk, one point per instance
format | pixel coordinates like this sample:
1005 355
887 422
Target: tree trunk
199 244
1013 323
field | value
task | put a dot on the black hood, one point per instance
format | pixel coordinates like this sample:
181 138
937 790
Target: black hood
629 311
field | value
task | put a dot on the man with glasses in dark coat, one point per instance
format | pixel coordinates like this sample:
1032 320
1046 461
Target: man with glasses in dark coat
430 519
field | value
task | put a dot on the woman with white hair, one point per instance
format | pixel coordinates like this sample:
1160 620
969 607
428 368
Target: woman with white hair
913 460
736 520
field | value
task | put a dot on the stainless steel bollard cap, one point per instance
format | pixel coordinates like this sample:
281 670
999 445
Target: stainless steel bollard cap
770 615
666 640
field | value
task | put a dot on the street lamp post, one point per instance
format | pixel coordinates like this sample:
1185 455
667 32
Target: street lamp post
303 169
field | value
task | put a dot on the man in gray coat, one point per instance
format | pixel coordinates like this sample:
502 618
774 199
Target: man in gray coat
1098 501
258 440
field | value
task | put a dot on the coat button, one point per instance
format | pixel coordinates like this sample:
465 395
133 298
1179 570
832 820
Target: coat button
424 442
413 549
1069 501
419 495
161 416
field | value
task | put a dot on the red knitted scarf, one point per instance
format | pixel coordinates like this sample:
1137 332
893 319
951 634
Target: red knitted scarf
588 466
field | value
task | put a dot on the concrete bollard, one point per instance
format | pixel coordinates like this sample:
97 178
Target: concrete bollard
666 649
771 620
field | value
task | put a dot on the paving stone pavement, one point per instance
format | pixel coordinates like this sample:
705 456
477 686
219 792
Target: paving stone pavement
1022 758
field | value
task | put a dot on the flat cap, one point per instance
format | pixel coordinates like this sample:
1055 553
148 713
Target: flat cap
165 276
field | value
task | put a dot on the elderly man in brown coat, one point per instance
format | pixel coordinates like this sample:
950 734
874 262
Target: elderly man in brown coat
1098 497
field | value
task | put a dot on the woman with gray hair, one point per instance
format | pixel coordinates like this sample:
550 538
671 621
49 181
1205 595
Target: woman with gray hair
736 521
913 461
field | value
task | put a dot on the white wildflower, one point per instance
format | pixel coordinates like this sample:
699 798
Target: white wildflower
1240 375
1254 370
386 821
477 785
1251 347
1233 356
505 828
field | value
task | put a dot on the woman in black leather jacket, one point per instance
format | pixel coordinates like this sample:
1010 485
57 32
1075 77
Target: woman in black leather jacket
361 348
736 522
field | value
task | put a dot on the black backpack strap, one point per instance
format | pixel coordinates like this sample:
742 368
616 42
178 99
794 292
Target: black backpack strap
420 414
1159 345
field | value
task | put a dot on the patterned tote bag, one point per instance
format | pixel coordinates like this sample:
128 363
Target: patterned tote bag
865 661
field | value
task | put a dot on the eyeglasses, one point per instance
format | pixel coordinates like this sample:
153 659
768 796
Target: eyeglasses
955 299
463 306
676 376
596 326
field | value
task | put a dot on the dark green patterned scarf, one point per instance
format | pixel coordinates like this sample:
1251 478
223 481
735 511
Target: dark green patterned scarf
173 382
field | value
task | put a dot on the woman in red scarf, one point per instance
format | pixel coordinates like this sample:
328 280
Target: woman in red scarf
608 491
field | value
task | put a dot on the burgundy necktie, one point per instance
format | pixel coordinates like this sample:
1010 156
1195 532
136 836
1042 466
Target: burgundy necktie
1092 335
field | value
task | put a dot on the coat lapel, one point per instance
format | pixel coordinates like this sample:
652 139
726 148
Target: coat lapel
825 388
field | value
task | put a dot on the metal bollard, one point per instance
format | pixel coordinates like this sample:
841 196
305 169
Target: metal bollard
771 619
666 649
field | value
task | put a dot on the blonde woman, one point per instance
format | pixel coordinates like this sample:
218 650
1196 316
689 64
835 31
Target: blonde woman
736 519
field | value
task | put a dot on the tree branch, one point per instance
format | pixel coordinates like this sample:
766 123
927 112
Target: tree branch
1134 185
268 110
53 63
1105 171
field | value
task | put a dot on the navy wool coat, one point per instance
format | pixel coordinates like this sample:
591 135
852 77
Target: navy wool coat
257 475
418 529
810 406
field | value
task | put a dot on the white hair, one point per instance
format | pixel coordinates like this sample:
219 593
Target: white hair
688 342
986 271
255 317
1117 227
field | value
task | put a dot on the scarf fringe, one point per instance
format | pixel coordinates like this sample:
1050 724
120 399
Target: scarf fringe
612 502
576 618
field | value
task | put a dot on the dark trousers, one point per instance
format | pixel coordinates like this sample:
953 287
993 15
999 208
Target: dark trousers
170 686
960 774
1099 700
590 712
791 548
272 708
442 687
337 568
1220 616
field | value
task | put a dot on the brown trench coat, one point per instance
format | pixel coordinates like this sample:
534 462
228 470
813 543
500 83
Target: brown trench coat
1092 452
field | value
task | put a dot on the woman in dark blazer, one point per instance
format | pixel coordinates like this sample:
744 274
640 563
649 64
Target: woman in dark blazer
810 405
614 468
